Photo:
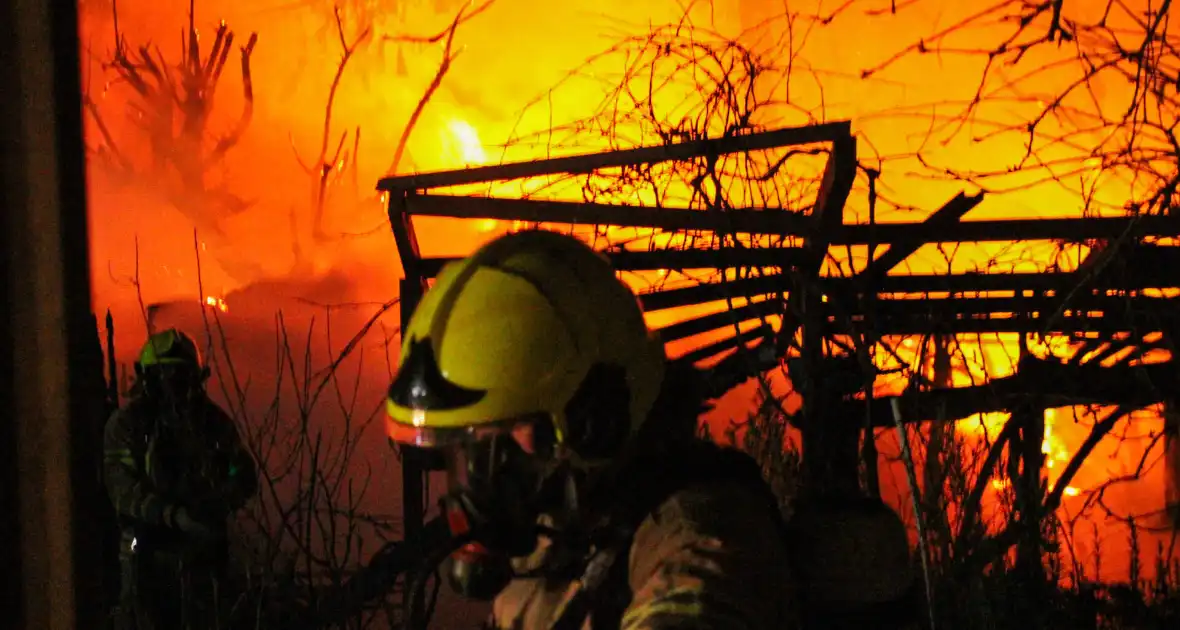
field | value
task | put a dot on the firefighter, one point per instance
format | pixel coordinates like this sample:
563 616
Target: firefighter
529 366
175 469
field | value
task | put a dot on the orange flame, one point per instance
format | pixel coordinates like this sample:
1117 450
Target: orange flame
1052 446
216 303
1055 452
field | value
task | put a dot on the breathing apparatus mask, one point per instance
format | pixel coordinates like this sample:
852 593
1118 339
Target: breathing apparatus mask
174 386
501 477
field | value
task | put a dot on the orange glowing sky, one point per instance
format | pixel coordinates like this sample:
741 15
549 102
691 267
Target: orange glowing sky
512 56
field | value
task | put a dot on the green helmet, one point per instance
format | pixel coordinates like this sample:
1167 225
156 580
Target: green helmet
170 347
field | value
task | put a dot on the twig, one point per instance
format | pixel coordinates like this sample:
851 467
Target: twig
444 66
324 168
463 16
912 478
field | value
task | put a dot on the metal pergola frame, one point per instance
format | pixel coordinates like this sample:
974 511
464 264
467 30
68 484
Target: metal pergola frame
1092 299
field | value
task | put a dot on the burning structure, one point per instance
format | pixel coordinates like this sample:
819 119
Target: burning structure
784 306
1048 309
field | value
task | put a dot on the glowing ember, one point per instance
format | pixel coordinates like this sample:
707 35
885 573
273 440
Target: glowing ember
1004 484
217 303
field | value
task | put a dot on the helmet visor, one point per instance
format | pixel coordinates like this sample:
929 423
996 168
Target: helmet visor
533 432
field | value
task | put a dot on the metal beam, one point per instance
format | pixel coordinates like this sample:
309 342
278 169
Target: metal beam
1060 326
1111 349
1074 229
678 259
961 308
715 321
720 258
774 221
406 240
586 163
1058 384
949 214
662 299
911 319
741 221
776 284
834 188
716 348
984 282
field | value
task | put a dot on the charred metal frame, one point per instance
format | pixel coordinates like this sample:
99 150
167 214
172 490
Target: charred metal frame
1079 302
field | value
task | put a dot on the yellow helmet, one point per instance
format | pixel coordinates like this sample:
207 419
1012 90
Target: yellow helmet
533 326
170 347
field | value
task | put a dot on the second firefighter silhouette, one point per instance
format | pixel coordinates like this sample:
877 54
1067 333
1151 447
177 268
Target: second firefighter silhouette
175 469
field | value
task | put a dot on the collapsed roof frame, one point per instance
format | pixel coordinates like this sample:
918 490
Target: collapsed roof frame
1077 302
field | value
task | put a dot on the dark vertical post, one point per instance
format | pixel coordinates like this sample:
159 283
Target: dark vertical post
1171 413
1029 568
50 565
817 460
413 475
1172 459
831 445
411 289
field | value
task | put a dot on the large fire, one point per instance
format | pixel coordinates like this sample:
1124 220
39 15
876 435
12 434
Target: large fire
500 87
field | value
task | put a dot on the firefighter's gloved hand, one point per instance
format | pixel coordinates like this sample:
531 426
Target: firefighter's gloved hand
186 523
